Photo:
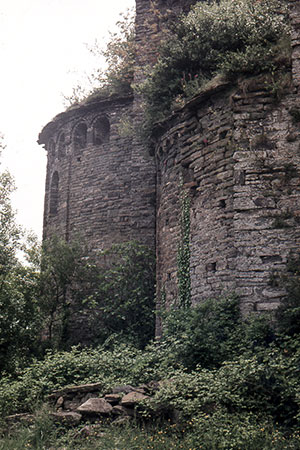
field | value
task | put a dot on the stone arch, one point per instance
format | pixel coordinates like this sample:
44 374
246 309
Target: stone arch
61 146
80 137
101 130
54 194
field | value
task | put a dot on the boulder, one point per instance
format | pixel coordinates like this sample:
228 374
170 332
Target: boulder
95 406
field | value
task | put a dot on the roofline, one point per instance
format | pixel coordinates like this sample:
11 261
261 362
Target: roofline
77 110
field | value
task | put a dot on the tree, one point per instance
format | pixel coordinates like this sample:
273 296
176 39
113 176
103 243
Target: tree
87 298
10 232
19 310
122 301
64 273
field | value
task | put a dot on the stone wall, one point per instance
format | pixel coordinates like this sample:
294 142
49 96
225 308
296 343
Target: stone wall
236 151
103 194
238 156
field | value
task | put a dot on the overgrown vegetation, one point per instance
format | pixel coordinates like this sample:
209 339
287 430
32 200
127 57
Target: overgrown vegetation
122 294
19 312
229 38
62 286
64 273
117 76
183 252
225 382
217 40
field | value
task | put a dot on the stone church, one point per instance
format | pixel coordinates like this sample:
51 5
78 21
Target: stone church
235 152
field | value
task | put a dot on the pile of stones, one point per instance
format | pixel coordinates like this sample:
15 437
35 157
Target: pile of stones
83 403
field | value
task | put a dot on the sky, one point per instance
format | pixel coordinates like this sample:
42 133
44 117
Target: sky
43 54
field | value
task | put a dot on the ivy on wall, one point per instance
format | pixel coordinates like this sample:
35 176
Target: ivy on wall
183 253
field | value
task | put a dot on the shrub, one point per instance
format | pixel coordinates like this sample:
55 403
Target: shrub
64 368
107 295
119 55
262 386
207 334
234 38
288 313
122 294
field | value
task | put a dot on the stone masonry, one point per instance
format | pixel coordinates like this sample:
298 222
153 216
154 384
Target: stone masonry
103 194
234 149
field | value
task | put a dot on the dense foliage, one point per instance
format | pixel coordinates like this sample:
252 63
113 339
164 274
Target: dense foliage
288 313
19 312
230 37
245 396
43 294
105 294
63 276
225 382
122 294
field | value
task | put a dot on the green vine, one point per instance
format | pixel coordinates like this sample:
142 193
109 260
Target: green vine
183 253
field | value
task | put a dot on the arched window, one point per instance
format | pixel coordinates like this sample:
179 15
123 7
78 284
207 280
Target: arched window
61 147
53 204
101 131
80 136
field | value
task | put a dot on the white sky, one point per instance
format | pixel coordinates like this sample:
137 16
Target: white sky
42 53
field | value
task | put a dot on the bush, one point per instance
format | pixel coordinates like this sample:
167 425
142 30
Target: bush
88 298
65 368
110 364
119 55
247 396
262 386
288 313
221 36
205 335
122 294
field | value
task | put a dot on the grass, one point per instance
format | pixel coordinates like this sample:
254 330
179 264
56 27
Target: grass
45 435
97 436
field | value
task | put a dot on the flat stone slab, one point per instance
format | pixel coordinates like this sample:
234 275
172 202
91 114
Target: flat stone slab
132 398
95 406
92 387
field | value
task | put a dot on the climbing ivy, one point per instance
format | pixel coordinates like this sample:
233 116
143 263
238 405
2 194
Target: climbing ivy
183 253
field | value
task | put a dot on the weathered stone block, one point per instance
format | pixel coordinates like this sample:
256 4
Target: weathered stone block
95 406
